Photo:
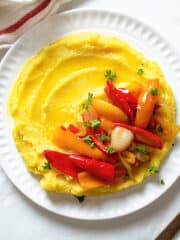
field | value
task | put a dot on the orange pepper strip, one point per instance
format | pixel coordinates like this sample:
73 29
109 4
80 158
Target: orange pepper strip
67 139
109 111
88 181
146 103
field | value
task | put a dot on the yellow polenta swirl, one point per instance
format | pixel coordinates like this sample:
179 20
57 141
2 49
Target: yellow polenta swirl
51 87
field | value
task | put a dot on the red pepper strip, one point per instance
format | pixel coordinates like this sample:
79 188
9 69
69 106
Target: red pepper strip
143 135
99 144
129 97
73 128
71 163
116 97
153 124
111 158
101 170
61 162
94 135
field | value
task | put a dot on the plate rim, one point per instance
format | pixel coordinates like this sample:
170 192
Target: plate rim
79 10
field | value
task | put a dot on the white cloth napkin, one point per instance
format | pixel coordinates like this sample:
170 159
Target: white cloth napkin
17 17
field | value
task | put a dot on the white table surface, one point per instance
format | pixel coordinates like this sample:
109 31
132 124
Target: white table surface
21 219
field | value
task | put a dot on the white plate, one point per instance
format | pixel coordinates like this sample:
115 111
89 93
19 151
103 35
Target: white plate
141 37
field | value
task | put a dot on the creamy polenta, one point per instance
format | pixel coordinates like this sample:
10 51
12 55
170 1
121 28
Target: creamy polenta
52 86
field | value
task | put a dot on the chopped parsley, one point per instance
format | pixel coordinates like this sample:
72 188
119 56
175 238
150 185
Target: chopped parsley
110 149
95 124
104 138
126 176
110 75
87 123
46 165
141 149
88 102
159 128
154 91
80 198
162 182
140 71
154 169
92 145
89 140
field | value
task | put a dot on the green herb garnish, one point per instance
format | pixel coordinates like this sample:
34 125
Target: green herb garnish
92 145
173 145
88 102
104 138
159 128
154 91
141 149
109 75
87 123
80 198
140 71
126 176
162 182
89 140
46 165
95 124
110 149
154 169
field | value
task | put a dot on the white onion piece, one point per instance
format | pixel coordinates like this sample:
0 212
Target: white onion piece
121 138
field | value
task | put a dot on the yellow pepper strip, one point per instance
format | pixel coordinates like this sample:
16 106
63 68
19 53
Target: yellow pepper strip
109 111
88 182
106 125
66 139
